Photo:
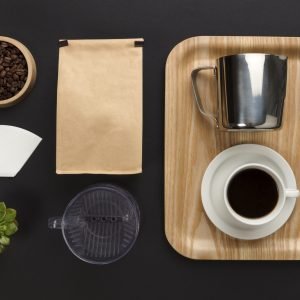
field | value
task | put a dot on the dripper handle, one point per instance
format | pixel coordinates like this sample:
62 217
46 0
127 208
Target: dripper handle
58 222
55 222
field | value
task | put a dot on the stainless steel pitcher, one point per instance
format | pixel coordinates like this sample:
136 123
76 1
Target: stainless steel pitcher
251 91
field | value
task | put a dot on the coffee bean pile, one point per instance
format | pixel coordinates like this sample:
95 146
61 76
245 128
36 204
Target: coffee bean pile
13 70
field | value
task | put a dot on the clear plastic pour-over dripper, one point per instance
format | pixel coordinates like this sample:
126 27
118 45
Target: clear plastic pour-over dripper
100 225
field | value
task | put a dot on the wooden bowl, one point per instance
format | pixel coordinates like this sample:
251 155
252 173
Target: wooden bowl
31 76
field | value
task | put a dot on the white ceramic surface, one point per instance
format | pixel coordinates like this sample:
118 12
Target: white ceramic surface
218 172
16 146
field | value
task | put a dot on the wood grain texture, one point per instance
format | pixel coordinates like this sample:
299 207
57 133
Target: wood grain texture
191 142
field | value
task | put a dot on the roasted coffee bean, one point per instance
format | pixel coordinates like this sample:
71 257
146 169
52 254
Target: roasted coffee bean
13 70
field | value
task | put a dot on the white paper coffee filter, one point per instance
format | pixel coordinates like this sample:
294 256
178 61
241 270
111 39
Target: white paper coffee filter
16 146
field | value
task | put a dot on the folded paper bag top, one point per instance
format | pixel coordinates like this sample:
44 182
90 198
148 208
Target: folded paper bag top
99 107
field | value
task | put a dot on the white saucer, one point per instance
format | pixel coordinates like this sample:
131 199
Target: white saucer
213 185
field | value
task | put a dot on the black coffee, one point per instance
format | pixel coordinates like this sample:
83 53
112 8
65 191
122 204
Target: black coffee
252 193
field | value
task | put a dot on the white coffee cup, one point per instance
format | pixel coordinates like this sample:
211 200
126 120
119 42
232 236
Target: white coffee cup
283 195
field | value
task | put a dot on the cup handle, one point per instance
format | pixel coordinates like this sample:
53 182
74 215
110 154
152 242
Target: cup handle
55 223
197 98
291 193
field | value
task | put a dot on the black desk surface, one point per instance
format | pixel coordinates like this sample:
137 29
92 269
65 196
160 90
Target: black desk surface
38 265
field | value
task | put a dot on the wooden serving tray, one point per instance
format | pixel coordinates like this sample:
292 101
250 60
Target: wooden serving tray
191 142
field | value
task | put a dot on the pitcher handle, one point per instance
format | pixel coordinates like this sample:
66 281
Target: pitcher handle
196 93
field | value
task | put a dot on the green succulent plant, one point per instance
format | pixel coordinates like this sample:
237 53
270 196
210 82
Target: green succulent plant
8 225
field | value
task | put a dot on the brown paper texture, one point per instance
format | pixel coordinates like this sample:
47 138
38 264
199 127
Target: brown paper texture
99 107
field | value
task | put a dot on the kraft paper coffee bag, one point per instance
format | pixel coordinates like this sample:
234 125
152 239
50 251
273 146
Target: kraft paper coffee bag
99 107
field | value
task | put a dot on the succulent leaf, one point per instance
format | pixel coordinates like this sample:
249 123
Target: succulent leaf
11 228
10 215
8 225
2 211
3 228
4 240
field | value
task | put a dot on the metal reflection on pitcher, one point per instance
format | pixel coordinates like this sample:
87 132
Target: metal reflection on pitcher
251 91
